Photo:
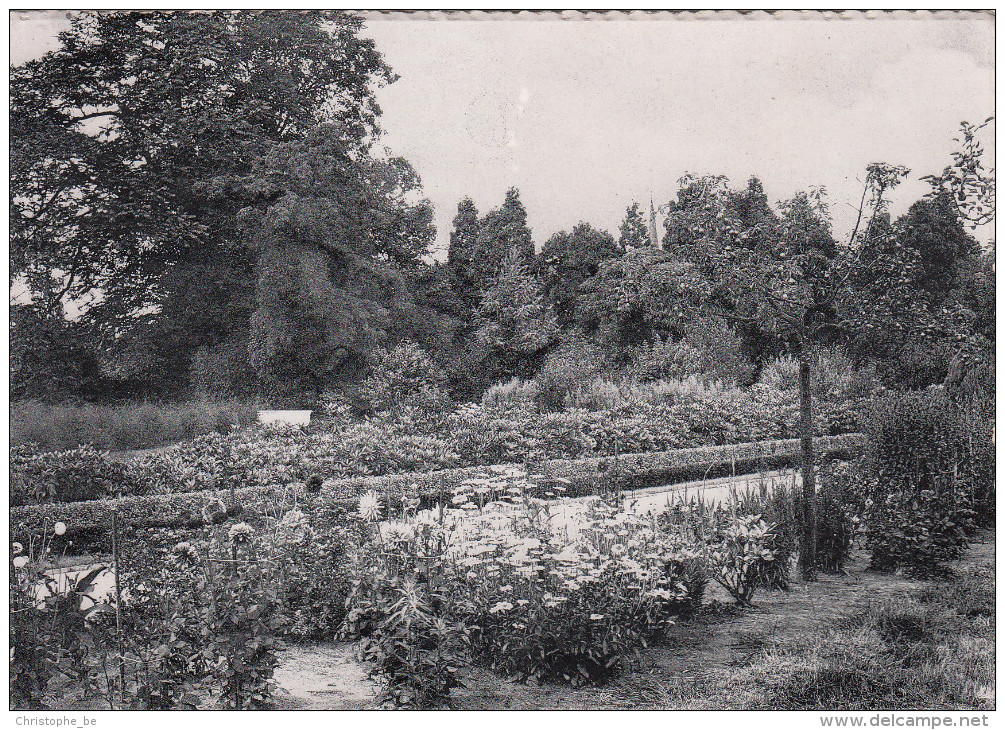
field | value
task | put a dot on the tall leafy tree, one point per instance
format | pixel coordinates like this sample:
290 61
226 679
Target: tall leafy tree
500 232
332 230
697 212
515 322
749 207
119 132
633 233
567 260
797 283
933 229
635 298
461 253
965 181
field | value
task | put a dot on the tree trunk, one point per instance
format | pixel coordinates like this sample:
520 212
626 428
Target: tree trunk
808 538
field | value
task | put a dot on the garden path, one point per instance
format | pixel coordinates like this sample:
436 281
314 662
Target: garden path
673 675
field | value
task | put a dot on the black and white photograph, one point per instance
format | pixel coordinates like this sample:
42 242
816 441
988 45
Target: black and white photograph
502 360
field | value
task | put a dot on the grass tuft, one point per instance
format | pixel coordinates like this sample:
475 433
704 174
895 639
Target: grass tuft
932 649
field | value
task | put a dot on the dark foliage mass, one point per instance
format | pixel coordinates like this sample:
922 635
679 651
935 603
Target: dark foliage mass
201 191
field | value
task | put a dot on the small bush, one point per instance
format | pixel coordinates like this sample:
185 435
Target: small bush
739 553
513 394
416 652
659 359
779 508
400 612
67 476
595 395
837 511
832 376
404 376
739 550
709 350
720 350
574 362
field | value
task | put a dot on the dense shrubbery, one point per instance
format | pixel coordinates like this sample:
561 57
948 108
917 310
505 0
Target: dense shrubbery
575 362
553 591
401 377
414 440
925 468
710 350
833 378
204 607
200 621
127 426
749 539
67 476
837 510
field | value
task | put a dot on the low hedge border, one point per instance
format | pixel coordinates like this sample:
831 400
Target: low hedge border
89 522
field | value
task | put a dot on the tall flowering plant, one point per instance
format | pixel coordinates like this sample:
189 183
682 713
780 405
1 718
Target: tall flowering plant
563 590
49 621
400 610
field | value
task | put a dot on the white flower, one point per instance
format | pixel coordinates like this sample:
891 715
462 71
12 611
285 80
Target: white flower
60 528
241 532
294 518
17 548
396 531
596 617
501 606
183 553
20 562
369 507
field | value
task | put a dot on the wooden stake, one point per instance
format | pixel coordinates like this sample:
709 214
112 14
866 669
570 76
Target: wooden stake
118 604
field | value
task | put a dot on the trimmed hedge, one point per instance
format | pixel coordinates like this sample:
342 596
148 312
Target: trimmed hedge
89 522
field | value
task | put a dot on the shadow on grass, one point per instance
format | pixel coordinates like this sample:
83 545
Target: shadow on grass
931 649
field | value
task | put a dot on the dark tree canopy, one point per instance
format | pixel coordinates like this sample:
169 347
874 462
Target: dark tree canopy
501 231
460 254
633 233
932 227
634 299
332 232
117 138
516 324
119 128
569 259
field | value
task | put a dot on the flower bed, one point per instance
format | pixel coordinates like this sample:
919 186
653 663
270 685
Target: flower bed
415 440
92 520
564 589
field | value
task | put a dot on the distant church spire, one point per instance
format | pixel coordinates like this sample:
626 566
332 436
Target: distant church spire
653 240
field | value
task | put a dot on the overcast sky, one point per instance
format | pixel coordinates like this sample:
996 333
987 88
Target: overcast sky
584 117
